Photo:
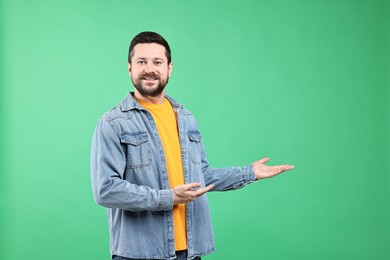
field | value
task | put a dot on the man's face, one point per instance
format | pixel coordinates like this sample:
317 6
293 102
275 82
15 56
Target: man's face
149 69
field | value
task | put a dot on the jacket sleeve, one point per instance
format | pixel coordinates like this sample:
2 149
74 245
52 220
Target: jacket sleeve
229 178
108 164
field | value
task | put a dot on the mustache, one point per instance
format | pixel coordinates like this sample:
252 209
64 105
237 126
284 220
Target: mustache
150 75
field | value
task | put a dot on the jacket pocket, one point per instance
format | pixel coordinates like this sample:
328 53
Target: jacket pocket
138 152
195 146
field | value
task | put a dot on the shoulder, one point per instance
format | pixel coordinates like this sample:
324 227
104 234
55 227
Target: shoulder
113 114
116 117
116 112
185 112
179 107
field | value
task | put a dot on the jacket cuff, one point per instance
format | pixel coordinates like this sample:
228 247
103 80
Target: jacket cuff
248 175
166 200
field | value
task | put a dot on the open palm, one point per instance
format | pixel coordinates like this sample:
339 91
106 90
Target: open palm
263 171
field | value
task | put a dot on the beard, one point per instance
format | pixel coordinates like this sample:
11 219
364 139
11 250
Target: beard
145 89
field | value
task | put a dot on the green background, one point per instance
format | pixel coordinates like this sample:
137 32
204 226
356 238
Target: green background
302 82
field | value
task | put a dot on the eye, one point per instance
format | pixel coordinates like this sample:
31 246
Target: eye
141 62
158 62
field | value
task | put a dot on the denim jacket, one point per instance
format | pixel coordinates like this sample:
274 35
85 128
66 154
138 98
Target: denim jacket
129 177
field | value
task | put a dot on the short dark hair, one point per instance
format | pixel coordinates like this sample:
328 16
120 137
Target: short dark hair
149 37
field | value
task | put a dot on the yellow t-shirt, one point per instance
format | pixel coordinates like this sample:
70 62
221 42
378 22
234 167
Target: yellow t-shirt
166 123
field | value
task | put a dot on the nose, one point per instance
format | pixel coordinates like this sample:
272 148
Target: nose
149 67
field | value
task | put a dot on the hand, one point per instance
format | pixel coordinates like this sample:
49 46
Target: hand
263 171
186 193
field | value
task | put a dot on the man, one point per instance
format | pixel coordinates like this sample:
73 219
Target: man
150 170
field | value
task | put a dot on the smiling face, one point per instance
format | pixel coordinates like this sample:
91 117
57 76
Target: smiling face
149 69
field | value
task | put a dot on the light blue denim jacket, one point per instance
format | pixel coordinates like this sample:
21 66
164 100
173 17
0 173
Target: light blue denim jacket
129 177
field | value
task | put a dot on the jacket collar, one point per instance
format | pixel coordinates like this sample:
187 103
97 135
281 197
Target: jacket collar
130 103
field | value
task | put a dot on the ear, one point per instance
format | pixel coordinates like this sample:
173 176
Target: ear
170 68
129 68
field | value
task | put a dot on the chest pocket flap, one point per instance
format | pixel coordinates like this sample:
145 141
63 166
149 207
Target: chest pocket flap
134 138
138 152
194 136
195 146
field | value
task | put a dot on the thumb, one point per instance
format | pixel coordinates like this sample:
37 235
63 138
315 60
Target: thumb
264 160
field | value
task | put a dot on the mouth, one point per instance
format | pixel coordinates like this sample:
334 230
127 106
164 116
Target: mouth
149 78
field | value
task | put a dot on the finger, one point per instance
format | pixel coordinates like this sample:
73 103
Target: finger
264 160
280 168
190 186
286 167
200 192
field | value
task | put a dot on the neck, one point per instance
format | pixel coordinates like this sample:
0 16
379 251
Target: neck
149 99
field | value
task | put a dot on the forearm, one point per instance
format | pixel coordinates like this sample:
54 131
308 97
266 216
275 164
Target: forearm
229 178
118 193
